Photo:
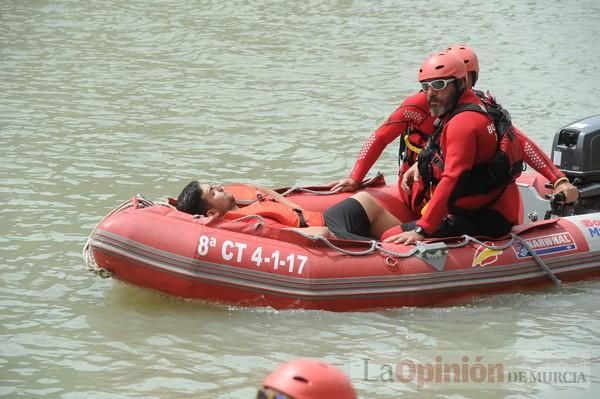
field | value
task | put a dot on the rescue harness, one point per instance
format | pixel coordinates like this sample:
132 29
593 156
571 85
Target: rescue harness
503 169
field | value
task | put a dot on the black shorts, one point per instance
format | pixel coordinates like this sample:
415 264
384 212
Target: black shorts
348 220
485 222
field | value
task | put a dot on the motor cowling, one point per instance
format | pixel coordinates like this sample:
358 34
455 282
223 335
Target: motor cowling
576 152
574 147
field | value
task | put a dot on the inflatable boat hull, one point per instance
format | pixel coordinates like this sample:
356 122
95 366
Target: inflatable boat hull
244 264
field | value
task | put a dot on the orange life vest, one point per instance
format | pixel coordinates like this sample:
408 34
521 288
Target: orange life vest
244 194
267 207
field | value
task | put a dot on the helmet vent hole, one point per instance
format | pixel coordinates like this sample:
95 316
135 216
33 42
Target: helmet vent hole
439 66
301 379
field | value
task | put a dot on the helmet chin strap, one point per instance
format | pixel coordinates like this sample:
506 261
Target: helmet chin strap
474 78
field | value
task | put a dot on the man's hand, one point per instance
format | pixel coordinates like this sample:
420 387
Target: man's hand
345 184
410 176
570 191
407 238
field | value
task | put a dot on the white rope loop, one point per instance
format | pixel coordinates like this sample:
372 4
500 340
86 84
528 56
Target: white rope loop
88 256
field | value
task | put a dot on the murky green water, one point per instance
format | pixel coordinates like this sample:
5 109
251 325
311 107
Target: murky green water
102 100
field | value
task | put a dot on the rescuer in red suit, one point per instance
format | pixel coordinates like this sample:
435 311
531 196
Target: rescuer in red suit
413 123
467 139
462 142
410 119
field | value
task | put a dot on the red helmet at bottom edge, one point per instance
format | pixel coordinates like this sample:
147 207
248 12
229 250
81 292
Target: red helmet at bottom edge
310 379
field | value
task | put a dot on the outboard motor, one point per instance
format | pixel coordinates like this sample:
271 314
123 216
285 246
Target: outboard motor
576 152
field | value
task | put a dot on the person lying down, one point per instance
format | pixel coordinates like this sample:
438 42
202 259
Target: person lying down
214 200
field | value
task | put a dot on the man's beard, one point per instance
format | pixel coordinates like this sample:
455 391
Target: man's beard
439 108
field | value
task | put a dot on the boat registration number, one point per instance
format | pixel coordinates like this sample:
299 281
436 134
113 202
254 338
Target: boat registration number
238 252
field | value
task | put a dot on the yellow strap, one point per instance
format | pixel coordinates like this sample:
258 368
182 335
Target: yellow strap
424 209
411 146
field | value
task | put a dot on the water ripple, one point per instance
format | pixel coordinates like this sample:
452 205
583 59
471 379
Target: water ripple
100 101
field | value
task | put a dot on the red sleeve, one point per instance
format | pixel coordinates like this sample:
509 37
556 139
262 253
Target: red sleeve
406 116
535 157
460 153
374 146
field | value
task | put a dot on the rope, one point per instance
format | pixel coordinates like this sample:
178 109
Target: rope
364 184
539 260
310 191
510 243
88 257
241 219
421 247
327 242
467 239
418 248
257 226
331 245
374 246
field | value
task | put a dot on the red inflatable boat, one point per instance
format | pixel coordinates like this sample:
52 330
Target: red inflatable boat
246 263
157 247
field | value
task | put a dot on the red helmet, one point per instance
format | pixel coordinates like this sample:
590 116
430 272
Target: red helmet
310 379
468 56
442 65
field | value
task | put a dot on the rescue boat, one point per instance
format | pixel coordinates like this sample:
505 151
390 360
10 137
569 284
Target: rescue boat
248 263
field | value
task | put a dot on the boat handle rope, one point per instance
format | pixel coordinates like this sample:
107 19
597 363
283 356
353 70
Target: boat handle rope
88 257
139 201
331 245
420 247
374 246
510 243
364 184
538 259
308 190
257 226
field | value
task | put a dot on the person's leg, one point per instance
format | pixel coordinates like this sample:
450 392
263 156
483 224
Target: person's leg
359 217
348 220
487 222
380 218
